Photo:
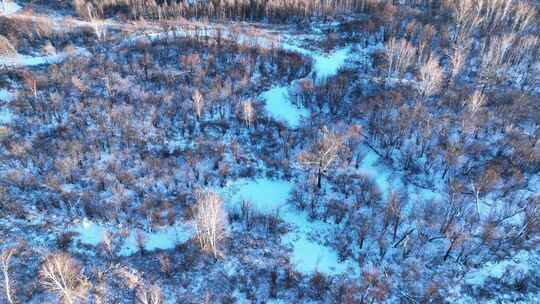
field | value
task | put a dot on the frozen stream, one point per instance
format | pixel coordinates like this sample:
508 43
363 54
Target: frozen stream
308 254
277 99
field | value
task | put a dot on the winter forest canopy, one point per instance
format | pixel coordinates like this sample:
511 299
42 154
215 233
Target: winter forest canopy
277 151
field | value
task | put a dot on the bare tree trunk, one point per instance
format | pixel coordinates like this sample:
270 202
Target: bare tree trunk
319 178
447 254
4 264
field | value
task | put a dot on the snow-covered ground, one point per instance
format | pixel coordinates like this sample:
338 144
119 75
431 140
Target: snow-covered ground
328 65
5 114
6 95
26 60
264 195
8 7
510 269
279 105
169 237
308 253
304 238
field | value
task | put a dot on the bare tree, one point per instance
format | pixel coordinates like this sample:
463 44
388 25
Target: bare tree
475 102
431 78
248 112
499 53
324 154
524 16
165 265
400 55
61 274
457 62
484 183
149 294
140 240
6 48
467 17
198 103
5 259
210 221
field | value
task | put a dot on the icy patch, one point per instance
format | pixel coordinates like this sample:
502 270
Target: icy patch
328 66
264 195
89 233
164 238
5 116
6 95
8 7
278 104
324 65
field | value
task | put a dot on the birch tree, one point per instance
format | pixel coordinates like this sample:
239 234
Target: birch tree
198 103
210 222
431 78
248 112
61 274
5 259
149 294
324 154
400 55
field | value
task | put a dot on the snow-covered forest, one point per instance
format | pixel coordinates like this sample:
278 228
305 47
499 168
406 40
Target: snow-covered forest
277 151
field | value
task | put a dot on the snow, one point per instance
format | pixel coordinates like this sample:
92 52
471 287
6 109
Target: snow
520 265
168 237
324 65
264 195
371 168
6 95
278 100
162 238
8 7
328 65
27 60
89 233
278 104
5 114
308 254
